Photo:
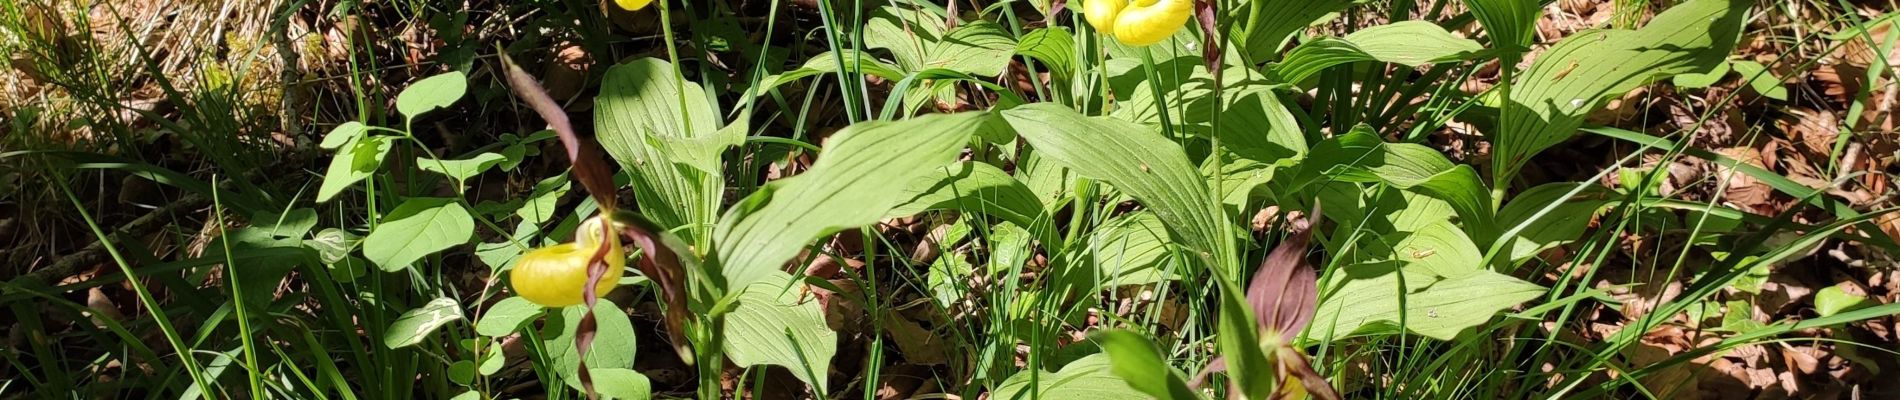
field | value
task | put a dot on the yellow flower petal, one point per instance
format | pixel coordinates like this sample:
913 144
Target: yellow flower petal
1148 22
1101 14
632 5
555 276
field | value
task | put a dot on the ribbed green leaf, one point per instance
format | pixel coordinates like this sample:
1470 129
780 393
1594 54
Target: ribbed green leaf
1087 378
1277 21
1053 46
1410 43
1135 359
614 341
1128 250
1548 103
773 325
1509 23
672 150
1360 156
973 187
856 181
1138 161
918 40
1366 298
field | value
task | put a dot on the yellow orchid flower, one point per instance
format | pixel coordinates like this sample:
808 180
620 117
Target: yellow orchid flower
1140 23
556 276
633 5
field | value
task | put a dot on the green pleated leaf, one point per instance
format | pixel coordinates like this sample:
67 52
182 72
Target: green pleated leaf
1135 359
1278 21
1548 216
1360 156
973 187
1129 250
1549 102
1138 161
918 40
1053 46
671 149
1087 378
1367 298
417 228
1508 23
773 325
1409 43
1763 81
1438 249
856 181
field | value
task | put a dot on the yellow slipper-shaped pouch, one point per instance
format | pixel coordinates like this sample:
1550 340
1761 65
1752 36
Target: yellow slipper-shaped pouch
1140 23
556 276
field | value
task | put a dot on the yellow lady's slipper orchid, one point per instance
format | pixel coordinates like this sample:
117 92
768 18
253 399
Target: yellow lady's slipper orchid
633 5
556 276
1141 23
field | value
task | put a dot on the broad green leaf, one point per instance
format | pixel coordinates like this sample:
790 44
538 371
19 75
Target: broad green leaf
1087 378
1549 102
543 201
918 40
1367 298
343 134
670 148
1761 79
431 93
289 224
1833 300
417 228
1053 46
1189 95
856 182
613 347
827 63
493 359
415 325
774 325
1138 161
502 318
1562 224
332 244
1360 156
1129 250
1409 43
353 162
1439 250
463 169
1510 24
1277 21
462 372
621 383
1135 359
975 188
1698 80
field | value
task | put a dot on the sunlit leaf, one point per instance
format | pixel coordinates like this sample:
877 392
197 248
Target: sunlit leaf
417 228
856 182
1088 378
1549 102
774 325
1367 298
415 325
431 93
